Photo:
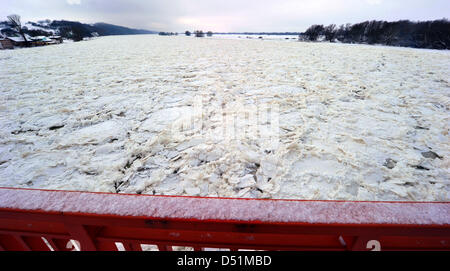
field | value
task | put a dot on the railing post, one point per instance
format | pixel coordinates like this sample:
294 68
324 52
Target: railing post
79 233
366 243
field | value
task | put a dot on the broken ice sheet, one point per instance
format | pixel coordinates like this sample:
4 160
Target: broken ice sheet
124 130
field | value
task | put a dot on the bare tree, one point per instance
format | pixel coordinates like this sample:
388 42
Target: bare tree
390 35
330 32
428 34
199 33
313 32
14 20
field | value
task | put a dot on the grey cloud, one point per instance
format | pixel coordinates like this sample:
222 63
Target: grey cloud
230 15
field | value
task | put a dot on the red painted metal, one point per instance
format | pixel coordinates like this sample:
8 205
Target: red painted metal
25 228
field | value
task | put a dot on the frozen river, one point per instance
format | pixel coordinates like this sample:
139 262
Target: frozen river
227 117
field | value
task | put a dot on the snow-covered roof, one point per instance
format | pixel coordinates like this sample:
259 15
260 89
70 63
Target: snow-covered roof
16 39
38 37
20 39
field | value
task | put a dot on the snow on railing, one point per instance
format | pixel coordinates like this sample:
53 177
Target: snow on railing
69 220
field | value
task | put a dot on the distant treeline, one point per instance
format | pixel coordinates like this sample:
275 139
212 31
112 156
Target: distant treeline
429 34
167 33
260 33
199 33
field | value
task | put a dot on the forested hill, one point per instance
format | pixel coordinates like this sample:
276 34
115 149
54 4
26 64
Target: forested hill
102 29
70 29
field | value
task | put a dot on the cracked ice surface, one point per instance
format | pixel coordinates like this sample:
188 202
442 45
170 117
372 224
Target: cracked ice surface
355 122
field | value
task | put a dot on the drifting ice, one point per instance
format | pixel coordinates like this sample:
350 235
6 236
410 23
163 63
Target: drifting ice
234 118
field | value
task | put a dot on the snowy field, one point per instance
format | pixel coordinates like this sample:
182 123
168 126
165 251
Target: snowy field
227 117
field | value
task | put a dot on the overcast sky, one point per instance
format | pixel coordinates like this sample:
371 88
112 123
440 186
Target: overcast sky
225 15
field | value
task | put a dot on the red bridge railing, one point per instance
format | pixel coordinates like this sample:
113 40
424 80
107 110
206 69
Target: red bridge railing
64 220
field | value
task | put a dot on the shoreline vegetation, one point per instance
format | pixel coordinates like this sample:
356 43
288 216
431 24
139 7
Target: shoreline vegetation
422 34
404 33
14 33
426 34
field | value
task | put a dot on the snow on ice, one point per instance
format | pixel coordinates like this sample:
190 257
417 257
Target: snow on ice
227 117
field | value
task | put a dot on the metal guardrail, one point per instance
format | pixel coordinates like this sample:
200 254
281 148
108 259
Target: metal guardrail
69 220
